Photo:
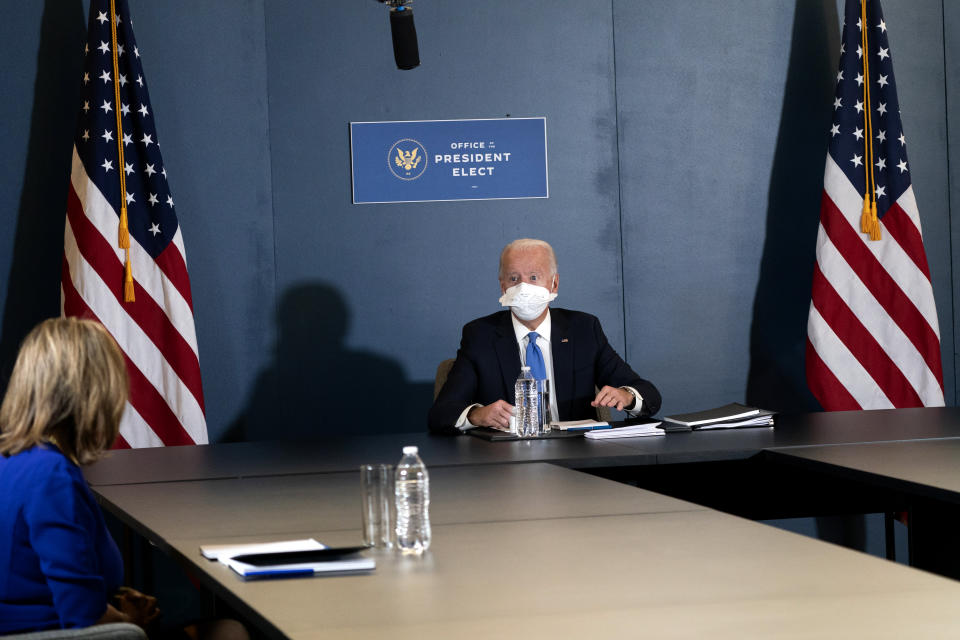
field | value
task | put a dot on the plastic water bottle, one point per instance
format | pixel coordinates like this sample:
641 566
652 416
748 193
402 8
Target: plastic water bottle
526 400
412 491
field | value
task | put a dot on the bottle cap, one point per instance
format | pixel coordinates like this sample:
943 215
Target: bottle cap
410 450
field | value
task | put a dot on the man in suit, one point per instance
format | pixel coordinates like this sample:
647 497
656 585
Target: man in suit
566 347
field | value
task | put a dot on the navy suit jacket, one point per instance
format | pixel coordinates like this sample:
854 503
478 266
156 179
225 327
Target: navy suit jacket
488 363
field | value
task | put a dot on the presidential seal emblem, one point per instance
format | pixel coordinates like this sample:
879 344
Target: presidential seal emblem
407 159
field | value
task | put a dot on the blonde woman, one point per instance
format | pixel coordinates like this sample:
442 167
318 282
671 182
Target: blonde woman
58 564
59 567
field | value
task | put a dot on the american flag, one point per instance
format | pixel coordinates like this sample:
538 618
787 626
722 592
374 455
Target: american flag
873 336
156 330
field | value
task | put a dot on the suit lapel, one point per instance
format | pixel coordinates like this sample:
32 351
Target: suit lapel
508 355
562 352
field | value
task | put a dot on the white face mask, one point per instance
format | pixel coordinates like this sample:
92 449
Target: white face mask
527 300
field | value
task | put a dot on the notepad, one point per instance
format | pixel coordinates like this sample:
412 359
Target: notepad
340 563
220 551
634 431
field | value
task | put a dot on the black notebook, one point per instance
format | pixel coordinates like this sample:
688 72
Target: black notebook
726 413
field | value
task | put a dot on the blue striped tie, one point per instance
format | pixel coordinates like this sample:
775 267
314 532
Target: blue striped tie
535 358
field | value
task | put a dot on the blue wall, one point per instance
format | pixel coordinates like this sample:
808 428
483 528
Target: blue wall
686 148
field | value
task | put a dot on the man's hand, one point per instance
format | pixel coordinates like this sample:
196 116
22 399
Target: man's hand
496 415
614 397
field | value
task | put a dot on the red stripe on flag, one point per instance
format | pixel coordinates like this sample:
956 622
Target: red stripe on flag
144 397
862 344
145 312
154 409
901 228
172 265
120 443
887 292
831 393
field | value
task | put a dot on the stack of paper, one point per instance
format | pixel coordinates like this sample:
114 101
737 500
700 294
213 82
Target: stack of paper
233 555
726 417
636 431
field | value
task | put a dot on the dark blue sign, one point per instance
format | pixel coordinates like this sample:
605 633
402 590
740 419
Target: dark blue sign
430 160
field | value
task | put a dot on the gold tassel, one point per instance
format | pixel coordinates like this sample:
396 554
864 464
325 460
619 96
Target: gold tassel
128 281
874 222
123 232
865 215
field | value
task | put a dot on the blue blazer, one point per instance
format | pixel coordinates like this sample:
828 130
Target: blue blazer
58 563
488 363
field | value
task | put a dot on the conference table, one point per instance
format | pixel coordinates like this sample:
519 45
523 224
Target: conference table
922 476
524 544
346 453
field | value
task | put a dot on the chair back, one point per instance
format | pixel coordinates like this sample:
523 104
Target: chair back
443 370
111 631
604 414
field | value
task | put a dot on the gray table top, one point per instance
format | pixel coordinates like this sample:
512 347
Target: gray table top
346 453
271 506
688 573
922 467
248 459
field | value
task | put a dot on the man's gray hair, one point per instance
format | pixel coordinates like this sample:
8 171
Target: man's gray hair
529 243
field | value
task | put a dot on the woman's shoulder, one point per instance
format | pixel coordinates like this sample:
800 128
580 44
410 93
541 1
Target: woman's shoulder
41 459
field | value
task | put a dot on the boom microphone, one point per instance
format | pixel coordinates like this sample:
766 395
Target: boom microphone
405 50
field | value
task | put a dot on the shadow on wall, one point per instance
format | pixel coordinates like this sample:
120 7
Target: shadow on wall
317 386
778 334
33 283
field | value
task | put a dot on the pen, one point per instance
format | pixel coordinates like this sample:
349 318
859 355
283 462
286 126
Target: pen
279 572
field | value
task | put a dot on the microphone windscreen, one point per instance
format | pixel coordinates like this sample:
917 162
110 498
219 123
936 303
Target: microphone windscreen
405 50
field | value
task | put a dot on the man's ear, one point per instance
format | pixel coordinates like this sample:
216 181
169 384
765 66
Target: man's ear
556 283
